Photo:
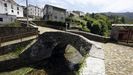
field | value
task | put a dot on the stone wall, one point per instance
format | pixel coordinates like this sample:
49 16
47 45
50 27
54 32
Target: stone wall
115 31
91 36
6 31
48 41
55 25
13 47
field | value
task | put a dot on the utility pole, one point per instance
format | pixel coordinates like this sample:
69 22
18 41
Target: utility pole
27 12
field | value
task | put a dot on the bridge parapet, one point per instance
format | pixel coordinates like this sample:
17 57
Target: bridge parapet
91 36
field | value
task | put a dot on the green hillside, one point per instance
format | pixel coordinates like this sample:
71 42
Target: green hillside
95 23
127 15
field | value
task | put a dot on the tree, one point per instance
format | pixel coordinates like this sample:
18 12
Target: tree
96 27
93 15
89 24
123 20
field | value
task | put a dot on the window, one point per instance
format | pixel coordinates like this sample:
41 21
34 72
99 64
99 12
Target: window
11 19
5 4
11 6
18 13
12 11
1 19
17 8
61 18
5 9
55 17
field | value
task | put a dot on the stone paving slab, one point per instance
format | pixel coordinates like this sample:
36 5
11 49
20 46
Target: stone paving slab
93 66
96 52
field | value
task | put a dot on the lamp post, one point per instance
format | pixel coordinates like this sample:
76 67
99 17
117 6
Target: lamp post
66 26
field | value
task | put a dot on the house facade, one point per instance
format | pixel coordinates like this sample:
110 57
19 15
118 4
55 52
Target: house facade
52 13
34 11
9 11
122 32
10 7
7 19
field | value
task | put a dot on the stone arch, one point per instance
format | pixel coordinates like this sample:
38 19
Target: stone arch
48 41
59 49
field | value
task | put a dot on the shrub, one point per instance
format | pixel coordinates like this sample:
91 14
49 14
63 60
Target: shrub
56 23
14 24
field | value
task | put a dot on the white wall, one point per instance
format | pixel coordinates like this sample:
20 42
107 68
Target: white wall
7 19
8 9
35 11
2 10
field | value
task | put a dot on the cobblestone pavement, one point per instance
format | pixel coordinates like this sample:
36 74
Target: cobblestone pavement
118 59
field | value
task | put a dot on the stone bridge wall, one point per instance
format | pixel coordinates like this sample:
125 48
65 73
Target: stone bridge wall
46 43
91 36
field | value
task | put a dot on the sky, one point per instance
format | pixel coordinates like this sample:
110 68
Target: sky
86 5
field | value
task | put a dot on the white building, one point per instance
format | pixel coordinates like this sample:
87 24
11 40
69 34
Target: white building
79 13
7 19
52 13
71 13
34 11
10 7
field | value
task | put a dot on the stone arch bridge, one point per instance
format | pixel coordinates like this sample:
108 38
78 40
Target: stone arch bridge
48 44
50 41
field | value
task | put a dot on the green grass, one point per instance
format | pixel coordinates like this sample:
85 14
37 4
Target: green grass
82 64
22 71
15 54
14 24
